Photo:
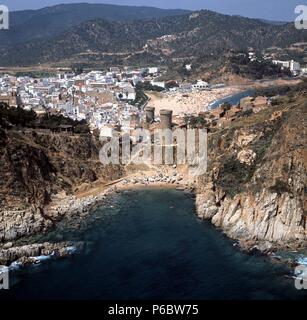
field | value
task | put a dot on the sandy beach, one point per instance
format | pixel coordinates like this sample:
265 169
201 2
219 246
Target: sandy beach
165 178
193 102
198 101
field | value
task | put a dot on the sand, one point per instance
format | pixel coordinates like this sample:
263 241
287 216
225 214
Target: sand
197 101
193 102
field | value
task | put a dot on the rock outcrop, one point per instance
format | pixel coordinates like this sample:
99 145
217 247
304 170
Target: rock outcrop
34 253
18 223
36 165
255 186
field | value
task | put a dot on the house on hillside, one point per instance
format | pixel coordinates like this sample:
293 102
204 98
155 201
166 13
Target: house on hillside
200 85
153 70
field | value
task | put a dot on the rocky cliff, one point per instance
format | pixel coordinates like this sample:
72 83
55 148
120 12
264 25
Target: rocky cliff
254 189
37 165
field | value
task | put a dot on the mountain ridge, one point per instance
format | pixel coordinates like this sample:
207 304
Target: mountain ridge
153 40
29 25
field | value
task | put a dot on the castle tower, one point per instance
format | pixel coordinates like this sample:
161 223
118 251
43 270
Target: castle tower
150 114
166 119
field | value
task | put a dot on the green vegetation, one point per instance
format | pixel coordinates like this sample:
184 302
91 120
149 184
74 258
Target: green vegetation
205 39
233 175
264 143
193 122
18 117
35 74
226 106
54 121
27 26
77 69
147 86
282 90
141 97
245 114
280 187
273 91
171 84
242 66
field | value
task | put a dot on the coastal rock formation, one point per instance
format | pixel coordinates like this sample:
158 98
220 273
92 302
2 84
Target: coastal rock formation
255 192
247 156
34 253
254 188
37 165
17 223
261 217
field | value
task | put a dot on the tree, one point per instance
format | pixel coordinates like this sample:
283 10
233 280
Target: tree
195 122
77 70
16 116
172 84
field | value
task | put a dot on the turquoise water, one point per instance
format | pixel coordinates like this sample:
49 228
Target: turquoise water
149 244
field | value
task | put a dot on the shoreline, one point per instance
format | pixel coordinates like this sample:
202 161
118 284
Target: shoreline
37 253
200 101
15 255
68 207
84 203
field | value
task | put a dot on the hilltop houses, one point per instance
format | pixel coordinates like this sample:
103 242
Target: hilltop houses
200 85
153 71
292 65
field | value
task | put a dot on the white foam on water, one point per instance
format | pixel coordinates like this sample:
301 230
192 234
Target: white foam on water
15 266
302 260
71 250
3 269
39 259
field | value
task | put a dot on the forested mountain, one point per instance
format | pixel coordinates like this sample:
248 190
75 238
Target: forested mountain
168 38
29 25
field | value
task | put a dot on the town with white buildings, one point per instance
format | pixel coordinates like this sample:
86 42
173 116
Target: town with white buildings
106 100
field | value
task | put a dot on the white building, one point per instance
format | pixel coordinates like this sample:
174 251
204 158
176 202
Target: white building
153 70
295 67
292 65
200 85
282 64
106 131
160 84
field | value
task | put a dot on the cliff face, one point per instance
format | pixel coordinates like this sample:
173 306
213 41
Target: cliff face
35 166
26 171
255 186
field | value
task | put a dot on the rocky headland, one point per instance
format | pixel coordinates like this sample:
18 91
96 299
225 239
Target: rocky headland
254 188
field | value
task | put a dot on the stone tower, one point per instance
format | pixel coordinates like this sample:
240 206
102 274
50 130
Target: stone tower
150 114
166 119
